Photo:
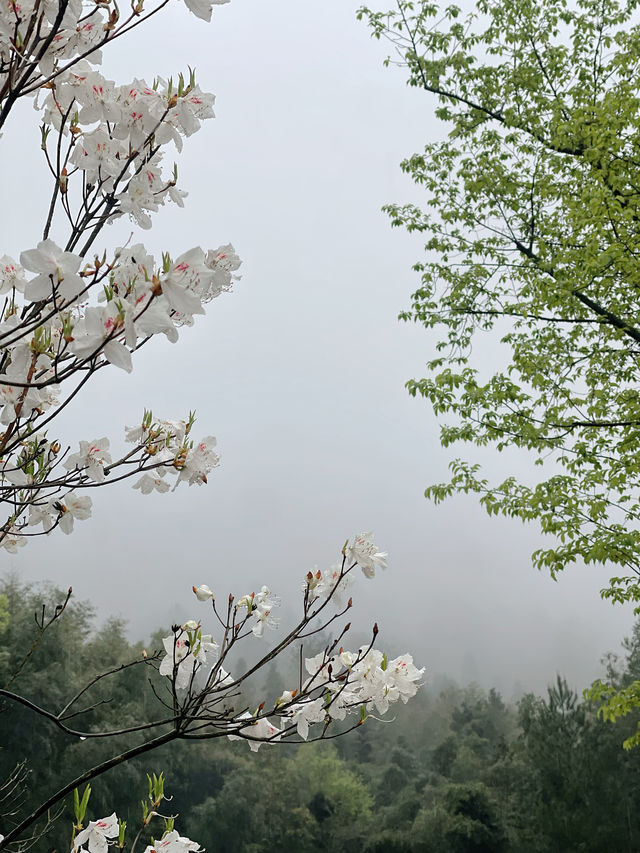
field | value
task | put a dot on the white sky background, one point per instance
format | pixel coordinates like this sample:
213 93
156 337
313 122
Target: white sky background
300 371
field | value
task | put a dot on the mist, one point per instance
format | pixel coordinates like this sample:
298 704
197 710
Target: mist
300 371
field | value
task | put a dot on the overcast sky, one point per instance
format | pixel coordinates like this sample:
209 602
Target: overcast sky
300 371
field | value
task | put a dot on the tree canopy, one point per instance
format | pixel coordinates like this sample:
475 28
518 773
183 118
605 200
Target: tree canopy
532 229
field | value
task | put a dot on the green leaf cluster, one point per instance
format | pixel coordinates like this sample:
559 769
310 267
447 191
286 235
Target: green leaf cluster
531 222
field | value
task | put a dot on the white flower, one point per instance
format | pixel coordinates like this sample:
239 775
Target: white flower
343 702
377 681
70 17
177 648
186 650
21 369
98 99
347 659
12 540
136 434
202 8
265 598
171 842
92 456
99 155
11 275
363 552
57 270
262 730
78 39
156 319
405 676
318 666
42 514
175 431
186 280
15 476
98 325
199 461
223 262
204 643
307 713
71 507
136 100
138 198
9 396
262 619
191 109
326 584
96 834
263 602
152 482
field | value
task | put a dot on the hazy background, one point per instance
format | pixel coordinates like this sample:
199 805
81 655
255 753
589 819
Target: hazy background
300 371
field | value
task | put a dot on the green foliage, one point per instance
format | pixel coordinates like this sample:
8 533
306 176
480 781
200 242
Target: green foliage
532 227
308 802
575 770
464 821
619 696
4 624
80 803
4 612
68 655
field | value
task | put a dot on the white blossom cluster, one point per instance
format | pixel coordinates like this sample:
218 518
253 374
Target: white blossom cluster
349 683
339 682
139 298
334 583
166 444
67 311
96 837
117 135
48 35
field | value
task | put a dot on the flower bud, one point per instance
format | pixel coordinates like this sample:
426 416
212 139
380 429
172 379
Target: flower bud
202 592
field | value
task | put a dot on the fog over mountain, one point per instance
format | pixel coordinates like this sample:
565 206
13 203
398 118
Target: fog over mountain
300 371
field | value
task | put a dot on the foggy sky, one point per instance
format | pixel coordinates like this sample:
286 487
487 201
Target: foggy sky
300 371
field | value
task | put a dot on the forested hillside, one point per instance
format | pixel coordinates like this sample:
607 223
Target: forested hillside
457 771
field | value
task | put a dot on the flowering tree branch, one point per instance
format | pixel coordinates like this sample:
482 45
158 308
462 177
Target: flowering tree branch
66 314
201 694
70 310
